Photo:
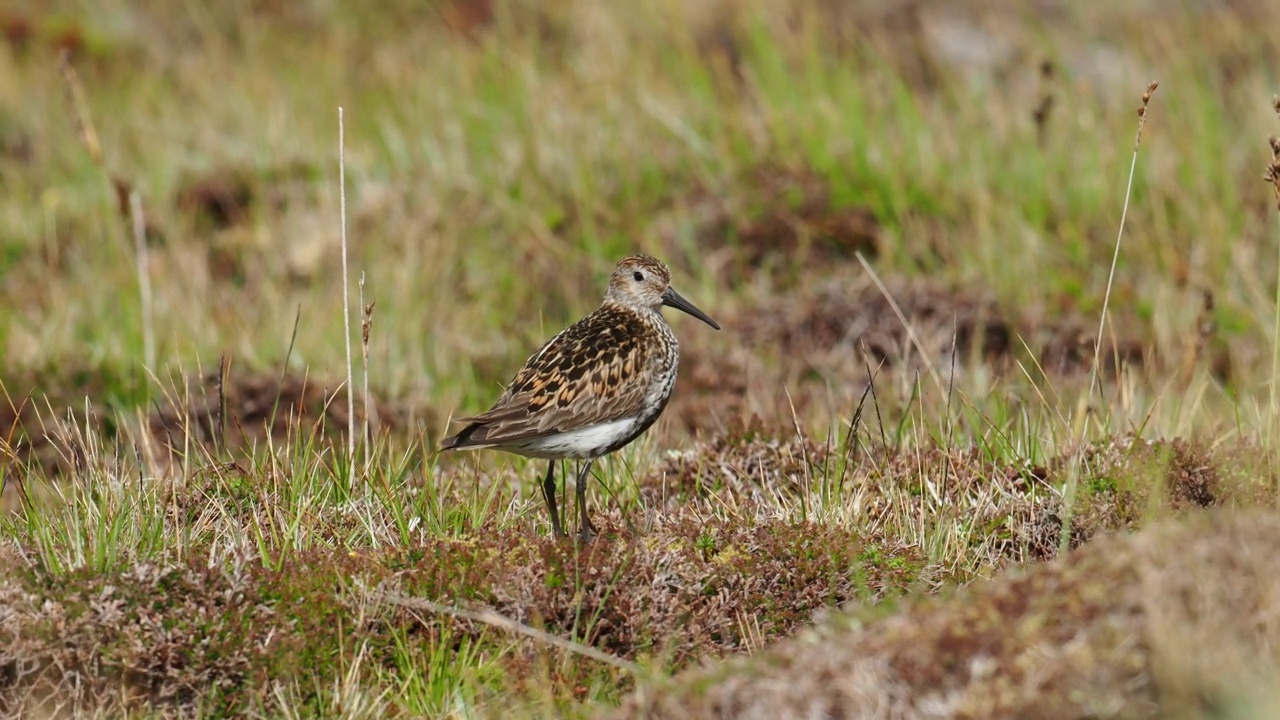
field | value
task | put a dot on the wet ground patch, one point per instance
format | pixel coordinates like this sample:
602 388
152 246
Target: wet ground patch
48 416
784 222
842 317
231 208
237 410
827 340
51 422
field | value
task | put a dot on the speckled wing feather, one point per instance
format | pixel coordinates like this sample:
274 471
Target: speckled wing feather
592 372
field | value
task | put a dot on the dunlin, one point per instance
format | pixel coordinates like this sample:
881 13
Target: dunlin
594 387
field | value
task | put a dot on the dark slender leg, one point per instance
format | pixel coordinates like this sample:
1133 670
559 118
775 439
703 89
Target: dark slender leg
585 530
549 493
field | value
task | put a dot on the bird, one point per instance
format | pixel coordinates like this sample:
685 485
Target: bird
593 388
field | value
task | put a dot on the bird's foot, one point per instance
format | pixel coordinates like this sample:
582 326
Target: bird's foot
587 532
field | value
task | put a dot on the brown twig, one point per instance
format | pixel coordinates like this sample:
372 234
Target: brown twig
489 617
366 323
1041 114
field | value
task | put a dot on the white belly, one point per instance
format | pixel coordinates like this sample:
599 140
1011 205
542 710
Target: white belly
581 443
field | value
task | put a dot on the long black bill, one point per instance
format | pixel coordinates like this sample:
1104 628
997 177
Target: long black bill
671 298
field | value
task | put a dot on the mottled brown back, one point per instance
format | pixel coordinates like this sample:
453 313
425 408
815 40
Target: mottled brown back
579 378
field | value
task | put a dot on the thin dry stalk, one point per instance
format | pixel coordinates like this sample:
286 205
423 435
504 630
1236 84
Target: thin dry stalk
911 333
1040 116
80 108
224 374
144 280
1115 256
366 323
7 454
78 105
804 454
1272 175
346 295
1075 469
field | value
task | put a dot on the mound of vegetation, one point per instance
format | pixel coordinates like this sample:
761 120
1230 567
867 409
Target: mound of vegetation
1176 621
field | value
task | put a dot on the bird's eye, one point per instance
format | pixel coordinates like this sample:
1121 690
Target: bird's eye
639 276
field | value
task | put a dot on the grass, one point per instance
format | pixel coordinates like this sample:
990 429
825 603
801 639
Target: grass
195 535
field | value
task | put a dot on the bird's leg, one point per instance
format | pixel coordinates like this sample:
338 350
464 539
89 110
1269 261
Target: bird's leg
549 494
585 530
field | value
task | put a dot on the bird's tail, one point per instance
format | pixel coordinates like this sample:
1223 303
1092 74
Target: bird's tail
464 440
